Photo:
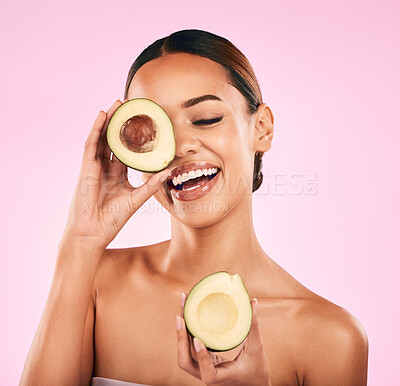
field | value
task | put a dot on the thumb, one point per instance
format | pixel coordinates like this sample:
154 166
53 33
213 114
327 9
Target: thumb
254 341
207 369
141 194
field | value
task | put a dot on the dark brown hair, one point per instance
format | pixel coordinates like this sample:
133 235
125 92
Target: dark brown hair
238 69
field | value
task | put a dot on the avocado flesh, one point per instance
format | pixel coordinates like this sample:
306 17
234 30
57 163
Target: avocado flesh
163 147
218 311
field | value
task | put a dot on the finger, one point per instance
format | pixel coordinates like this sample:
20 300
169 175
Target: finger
241 352
141 194
192 349
207 370
114 158
118 169
111 110
103 150
254 343
252 346
183 300
217 359
94 135
185 359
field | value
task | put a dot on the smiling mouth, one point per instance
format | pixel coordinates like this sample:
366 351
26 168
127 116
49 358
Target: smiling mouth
192 180
193 184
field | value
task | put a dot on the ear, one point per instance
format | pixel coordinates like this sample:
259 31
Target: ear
264 128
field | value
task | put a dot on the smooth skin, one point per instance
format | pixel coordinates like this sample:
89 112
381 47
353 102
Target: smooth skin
117 313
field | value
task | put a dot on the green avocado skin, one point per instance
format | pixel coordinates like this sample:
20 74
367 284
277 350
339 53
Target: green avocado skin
215 350
193 336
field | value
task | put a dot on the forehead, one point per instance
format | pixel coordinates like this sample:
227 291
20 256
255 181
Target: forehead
172 79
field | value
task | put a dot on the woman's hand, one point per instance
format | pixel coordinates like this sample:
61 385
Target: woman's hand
250 367
104 199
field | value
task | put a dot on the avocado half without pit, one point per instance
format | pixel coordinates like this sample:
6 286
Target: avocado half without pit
218 311
140 135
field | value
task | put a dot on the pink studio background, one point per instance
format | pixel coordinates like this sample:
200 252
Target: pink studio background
329 71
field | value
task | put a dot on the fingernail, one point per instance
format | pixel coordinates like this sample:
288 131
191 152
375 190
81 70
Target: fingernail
255 306
182 299
197 345
178 323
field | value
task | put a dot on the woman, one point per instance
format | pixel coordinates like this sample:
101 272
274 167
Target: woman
111 313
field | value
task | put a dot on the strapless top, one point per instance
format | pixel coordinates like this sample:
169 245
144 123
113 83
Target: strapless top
98 381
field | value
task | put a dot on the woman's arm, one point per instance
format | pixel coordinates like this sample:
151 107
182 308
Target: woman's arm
55 357
56 353
87 363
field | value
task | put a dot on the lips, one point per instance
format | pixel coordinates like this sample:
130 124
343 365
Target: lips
194 188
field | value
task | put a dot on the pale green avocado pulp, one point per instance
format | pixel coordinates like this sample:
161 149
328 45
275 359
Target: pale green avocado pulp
147 153
218 311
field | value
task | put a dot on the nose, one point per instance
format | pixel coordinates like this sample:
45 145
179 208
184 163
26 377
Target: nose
186 142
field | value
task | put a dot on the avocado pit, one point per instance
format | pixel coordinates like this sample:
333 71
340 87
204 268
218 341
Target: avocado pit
138 133
141 136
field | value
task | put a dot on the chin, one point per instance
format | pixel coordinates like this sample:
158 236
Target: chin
202 212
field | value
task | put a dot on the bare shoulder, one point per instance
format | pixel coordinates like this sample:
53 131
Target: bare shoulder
325 343
116 264
333 343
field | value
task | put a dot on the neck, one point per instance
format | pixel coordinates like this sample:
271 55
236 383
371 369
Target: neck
228 245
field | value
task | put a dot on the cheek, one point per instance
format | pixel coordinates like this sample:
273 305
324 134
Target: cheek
233 146
236 152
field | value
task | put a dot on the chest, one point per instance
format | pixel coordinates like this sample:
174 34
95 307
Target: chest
135 336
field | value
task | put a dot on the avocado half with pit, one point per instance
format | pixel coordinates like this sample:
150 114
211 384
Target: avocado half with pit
218 311
140 135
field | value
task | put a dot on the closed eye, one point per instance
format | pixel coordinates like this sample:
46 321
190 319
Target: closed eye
204 122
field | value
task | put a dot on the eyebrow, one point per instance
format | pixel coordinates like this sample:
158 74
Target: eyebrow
193 101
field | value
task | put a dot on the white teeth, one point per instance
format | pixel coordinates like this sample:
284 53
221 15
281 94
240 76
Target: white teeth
193 174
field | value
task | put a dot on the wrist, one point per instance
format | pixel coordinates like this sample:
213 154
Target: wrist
72 238
77 261
75 269
78 251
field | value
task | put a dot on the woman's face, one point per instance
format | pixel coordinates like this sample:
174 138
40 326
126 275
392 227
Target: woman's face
225 142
